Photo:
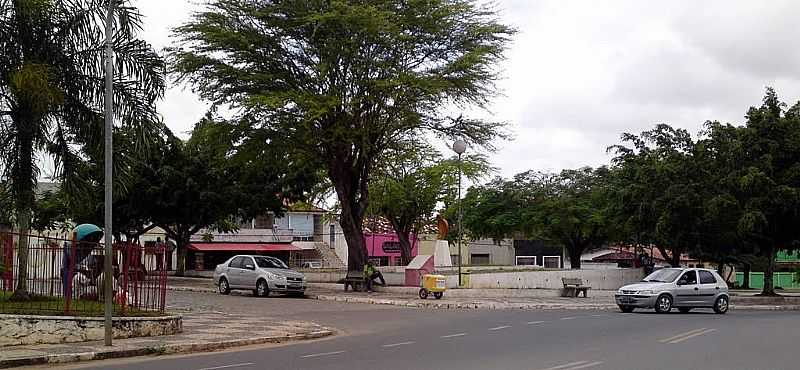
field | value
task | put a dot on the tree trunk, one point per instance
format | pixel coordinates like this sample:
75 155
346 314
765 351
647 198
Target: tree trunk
23 182
181 246
352 190
354 236
746 276
21 291
769 288
405 247
575 250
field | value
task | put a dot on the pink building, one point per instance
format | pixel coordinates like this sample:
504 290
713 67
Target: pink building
384 248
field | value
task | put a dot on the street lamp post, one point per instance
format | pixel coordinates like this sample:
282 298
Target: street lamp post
109 157
459 146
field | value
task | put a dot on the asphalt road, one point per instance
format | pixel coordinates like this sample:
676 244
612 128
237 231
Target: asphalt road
393 338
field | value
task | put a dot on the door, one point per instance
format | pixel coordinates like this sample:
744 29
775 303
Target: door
688 289
248 274
234 272
709 287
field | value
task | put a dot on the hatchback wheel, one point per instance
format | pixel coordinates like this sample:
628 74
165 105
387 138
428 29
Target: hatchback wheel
262 289
663 303
224 288
626 309
721 305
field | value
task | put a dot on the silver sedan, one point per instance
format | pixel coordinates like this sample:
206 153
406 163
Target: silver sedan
682 288
261 274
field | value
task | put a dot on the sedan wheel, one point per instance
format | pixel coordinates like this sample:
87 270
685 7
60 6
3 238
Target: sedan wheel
262 289
224 288
663 303
721 305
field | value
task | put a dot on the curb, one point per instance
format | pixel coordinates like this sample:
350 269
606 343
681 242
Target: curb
517 306
158 350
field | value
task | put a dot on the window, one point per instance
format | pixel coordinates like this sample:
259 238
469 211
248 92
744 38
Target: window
333 236
690 277
663 276
526 260
481 259
237 263
707 278
551 262
270 263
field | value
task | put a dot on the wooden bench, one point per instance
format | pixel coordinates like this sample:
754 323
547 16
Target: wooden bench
573 286
355 280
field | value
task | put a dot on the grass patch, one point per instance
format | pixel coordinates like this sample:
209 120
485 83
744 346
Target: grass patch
54 306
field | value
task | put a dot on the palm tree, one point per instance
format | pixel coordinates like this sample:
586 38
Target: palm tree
52 90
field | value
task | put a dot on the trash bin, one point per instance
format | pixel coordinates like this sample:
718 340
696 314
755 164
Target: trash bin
465 276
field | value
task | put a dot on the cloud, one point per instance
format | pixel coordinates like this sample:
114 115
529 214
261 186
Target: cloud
580 73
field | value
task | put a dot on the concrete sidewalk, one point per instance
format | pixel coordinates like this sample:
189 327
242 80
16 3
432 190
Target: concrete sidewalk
202 332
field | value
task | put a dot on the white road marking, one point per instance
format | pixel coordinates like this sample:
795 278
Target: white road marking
453 335
599 315
692 336
690 332
397 344
564 366
500 328
228 366
568 318
534 322
323 354
591 364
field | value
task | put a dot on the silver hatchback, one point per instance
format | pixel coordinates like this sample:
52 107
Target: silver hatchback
261 274
682 288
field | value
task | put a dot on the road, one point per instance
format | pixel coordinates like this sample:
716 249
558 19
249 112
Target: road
393 338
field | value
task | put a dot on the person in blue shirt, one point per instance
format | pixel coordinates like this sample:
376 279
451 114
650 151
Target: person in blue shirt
87 237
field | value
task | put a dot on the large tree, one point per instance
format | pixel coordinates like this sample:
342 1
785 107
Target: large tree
658 190
52 91
412 180
342 80
218 176
763 187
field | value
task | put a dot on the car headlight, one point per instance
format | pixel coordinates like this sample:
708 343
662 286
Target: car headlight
645 292
271 276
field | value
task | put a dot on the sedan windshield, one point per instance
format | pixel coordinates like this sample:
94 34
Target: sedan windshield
270 263
663 276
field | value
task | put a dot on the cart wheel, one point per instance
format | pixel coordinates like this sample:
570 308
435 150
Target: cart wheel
438 295
423 293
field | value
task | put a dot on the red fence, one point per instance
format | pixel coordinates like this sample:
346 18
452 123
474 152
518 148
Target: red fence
67 277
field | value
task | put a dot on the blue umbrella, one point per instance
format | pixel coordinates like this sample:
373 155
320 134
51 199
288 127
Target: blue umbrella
88 232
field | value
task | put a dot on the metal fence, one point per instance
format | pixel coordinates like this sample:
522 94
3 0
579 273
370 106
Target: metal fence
67 277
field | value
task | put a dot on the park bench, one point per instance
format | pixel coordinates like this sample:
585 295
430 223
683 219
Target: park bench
573 286
355 280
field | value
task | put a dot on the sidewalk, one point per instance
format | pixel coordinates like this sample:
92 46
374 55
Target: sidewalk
202 332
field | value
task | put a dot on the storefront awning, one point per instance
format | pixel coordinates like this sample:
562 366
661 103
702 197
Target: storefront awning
242 247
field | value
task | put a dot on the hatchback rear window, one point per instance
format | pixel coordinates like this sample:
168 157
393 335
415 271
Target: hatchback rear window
707 278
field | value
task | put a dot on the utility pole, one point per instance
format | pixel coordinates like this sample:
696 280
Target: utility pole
109 158
459 146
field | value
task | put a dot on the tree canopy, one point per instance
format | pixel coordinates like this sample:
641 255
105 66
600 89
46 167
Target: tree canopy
341 81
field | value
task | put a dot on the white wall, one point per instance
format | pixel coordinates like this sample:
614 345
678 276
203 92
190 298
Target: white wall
605 279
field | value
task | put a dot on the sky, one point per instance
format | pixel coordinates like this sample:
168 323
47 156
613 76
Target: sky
580 73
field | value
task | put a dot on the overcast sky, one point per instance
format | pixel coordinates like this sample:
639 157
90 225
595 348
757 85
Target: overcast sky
582 72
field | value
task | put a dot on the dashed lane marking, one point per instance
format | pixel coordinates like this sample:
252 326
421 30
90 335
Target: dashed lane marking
323 354
691 336
534 322
228 366
500 328
398 344
453 335
678 336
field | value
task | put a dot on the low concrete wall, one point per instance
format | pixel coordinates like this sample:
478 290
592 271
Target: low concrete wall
606 279
31 329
